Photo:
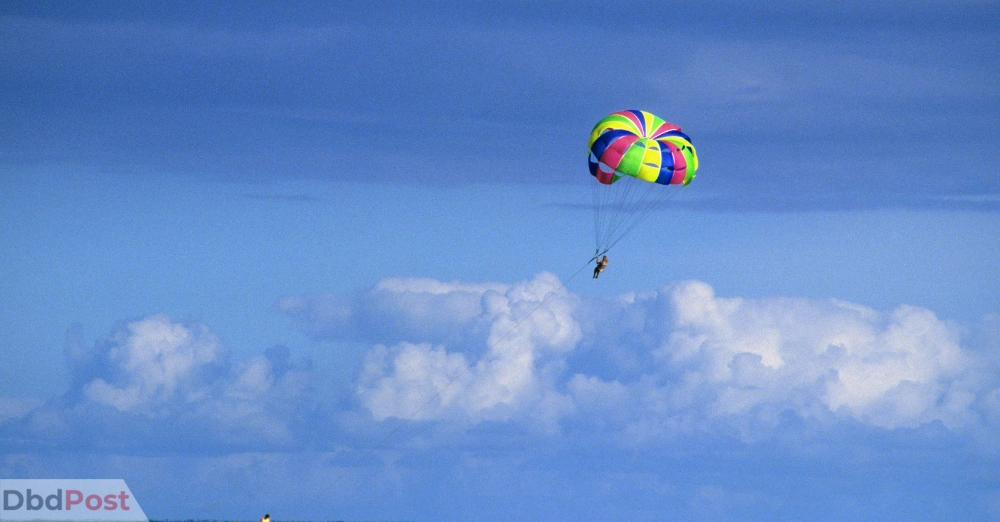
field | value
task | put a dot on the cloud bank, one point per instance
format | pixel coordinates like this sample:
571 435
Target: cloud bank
651 364
641 368
675 402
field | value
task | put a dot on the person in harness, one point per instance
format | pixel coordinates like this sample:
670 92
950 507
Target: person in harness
600 266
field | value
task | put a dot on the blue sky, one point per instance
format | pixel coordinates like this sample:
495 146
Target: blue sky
266 258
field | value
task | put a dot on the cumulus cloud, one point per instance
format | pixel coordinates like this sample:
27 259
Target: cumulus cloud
452 350
172 382
901 368
517 334
678 358
747 364
393 310
637 368
155 363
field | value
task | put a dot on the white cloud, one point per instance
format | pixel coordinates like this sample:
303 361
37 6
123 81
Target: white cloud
484 352
637 368
15 408
178 376
902 368
521 332
393 309
158 363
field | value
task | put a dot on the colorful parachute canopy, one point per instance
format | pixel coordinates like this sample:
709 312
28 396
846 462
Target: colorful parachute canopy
641 145
627 150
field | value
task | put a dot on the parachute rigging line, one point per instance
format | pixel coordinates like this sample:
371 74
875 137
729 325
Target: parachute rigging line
634 214
617 212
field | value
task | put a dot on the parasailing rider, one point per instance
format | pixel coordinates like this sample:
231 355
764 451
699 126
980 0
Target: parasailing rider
600 266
